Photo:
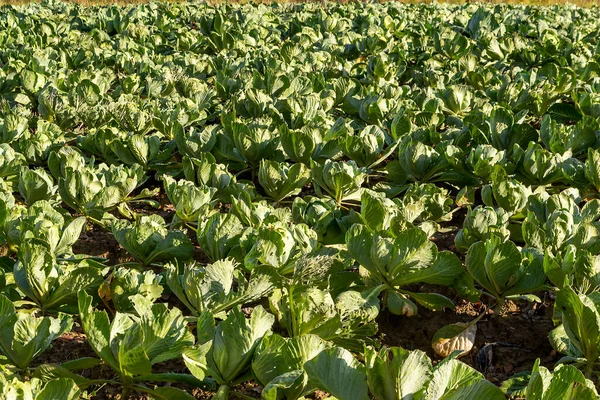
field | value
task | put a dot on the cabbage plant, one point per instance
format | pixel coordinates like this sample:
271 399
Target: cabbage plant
50 284
150 241
217 287
24 336
505 271
131 345
393 263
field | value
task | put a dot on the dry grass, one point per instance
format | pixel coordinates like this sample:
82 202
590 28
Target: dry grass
580 3
84 2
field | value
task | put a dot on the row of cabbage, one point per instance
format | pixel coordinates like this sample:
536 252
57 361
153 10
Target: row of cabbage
297 159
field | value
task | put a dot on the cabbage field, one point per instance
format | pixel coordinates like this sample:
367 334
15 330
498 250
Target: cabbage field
299 201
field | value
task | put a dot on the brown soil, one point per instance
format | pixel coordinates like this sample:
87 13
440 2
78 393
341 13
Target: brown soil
97 242
69 346
518 336
445 241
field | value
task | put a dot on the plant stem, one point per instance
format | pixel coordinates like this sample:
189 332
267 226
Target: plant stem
223 392
241 172
101 382
498 306
125 392
589 368
377 290
96 222
491 296
127 384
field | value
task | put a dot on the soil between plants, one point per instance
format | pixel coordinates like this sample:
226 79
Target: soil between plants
517 337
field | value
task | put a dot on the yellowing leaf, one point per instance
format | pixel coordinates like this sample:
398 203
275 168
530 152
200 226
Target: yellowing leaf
450 338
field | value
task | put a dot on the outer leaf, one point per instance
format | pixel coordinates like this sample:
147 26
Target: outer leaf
581 321
454 337
70 235
97 329
59 389
432 301
450 376
479 390
235 340
282 382
336 371
397 373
